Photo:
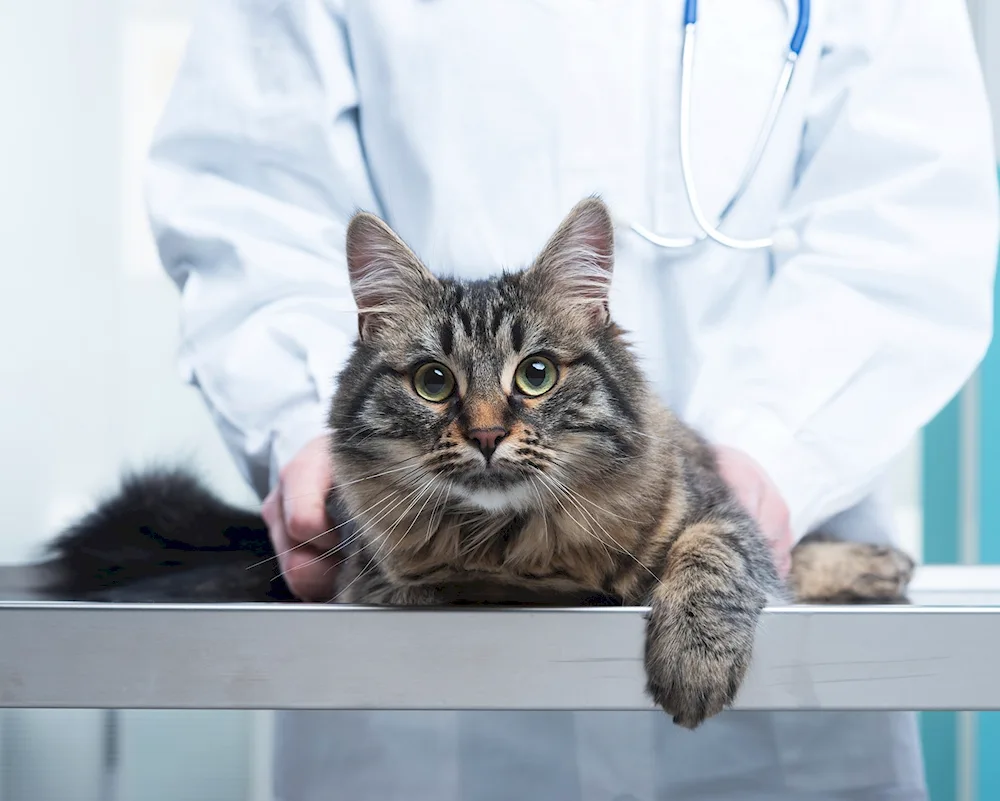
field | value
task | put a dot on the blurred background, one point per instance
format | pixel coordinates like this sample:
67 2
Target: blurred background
90 384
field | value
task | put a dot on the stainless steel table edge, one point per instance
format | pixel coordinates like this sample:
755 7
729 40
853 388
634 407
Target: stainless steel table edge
341 657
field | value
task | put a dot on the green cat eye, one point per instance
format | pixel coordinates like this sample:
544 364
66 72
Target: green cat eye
535 376
433 382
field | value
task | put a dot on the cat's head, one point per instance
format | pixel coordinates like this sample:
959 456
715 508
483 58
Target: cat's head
496 394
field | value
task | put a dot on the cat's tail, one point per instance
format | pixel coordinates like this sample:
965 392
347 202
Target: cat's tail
163 536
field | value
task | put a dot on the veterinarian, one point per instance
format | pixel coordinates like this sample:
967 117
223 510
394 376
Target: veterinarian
810 330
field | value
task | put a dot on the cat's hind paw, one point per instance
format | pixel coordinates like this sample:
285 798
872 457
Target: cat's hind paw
832 571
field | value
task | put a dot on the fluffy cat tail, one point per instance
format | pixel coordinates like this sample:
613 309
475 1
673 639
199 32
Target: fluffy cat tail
163 536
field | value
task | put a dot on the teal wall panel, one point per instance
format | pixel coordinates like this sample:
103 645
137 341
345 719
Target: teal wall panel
941 510
939 735
942 445
941 459
988 724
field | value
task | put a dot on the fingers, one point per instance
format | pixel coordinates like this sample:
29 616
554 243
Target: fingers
761 498
775 523
777 528
295 513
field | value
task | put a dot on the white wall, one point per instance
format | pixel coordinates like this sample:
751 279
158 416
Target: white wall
88 324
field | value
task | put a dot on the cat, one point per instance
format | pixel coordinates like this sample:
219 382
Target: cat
495 441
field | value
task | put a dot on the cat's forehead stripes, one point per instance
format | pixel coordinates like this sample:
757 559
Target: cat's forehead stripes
487 314
517 334
447 337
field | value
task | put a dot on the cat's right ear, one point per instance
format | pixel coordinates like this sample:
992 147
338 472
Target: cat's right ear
386 276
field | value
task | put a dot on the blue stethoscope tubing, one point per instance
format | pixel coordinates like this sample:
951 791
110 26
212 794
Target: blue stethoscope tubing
710 230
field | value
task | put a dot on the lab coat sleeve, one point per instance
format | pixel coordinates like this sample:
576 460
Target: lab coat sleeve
255 169
877 320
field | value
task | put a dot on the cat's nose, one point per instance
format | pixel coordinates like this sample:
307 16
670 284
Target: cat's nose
487 439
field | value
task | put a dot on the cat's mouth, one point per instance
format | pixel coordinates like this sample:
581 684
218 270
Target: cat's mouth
496 487
492 476
511 498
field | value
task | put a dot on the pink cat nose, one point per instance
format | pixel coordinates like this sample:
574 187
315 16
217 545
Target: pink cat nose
487 439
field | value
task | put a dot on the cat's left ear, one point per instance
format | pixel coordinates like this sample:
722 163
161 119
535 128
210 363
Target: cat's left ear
387 278
577 262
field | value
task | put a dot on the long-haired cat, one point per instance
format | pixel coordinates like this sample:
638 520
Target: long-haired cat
496 442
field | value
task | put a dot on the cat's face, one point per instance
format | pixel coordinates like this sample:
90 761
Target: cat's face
504 394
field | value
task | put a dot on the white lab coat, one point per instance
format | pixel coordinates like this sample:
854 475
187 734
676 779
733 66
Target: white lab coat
473 128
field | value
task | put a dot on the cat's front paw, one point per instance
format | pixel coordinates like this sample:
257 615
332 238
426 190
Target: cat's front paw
696 658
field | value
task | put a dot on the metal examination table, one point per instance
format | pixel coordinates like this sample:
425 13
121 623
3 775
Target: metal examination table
937 654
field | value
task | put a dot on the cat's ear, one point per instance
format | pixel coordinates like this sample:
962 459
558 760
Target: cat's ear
577 262
386 276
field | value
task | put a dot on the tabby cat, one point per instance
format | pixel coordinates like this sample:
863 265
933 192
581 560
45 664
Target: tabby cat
494 441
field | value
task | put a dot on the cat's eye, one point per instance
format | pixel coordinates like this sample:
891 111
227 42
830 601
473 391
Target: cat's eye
433 382
535 376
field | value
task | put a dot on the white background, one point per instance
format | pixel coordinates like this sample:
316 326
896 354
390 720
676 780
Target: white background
88 382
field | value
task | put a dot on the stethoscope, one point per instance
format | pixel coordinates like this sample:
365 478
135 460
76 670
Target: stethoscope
711 230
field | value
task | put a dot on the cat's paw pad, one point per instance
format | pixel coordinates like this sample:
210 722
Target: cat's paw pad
694 668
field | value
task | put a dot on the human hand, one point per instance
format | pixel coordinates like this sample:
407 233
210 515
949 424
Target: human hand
761 498
295 514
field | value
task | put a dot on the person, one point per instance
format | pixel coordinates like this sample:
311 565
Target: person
472 128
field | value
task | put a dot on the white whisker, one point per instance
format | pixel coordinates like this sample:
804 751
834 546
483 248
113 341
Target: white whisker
385 537
438 501
583 528
617 544
328 531
380 475
541 511
361 530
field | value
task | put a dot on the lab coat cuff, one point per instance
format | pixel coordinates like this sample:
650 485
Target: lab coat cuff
293 433
789 465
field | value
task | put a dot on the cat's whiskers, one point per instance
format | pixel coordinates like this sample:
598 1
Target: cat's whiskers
437 515
562 464
355 536
364 529
349 556
439 500
395 468
406 511
672 443
489 525
362 441
358 429
381 540
384 513
302 544
415 494
563 490
585 529
373 563
620 547
382 474
541 511
351 431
